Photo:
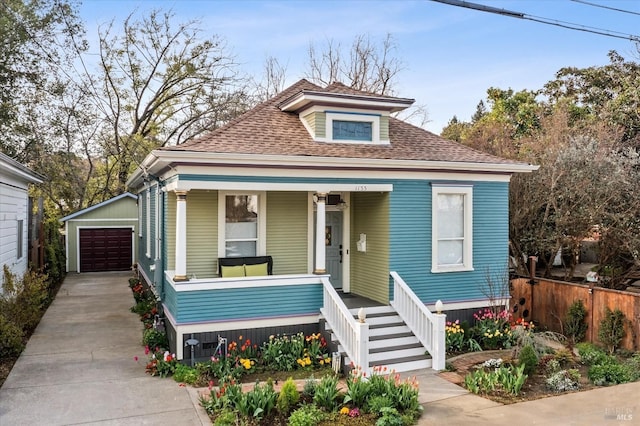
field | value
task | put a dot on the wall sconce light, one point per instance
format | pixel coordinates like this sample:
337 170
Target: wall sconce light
342 205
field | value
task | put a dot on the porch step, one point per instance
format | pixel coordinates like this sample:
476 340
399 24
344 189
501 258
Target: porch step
391 342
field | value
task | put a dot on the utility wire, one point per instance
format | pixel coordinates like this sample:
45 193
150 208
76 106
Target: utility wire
548 21
607 7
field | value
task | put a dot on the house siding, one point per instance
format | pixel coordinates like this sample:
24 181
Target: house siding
384 128
370 269
411 244
202 233
13 207
287 231
320 124
257 302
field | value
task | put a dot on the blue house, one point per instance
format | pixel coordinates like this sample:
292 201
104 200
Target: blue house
314 202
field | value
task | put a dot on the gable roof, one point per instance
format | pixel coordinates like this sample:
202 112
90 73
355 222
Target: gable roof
19 170
267 130
97 206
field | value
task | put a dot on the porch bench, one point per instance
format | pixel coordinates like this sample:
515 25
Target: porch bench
249 266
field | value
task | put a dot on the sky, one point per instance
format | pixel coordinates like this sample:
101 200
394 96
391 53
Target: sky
450 55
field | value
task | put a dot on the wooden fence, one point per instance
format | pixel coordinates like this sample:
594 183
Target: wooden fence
546 303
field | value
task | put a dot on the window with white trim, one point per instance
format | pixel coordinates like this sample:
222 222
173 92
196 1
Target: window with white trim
353 127
241 224
452 228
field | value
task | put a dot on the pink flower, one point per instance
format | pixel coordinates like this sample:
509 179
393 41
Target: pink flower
146 350
135 358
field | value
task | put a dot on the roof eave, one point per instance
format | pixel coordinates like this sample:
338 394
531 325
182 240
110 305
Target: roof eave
305 99
166 158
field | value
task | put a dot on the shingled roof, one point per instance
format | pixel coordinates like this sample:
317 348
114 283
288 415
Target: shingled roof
267 130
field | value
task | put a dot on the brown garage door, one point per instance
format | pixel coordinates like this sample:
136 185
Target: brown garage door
105 249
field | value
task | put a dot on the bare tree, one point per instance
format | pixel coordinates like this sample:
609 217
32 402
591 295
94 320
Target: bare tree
273 79
366 66
159 86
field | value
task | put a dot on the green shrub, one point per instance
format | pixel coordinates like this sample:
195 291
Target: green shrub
590 354
11 335
307 415
575 327
612 329
25 299
389 417
226 417
609 373
633 365
564 357
185 374
529 359
288 397
155 339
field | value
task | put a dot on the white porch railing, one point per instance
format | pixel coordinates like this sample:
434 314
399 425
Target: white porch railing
352 335
428 327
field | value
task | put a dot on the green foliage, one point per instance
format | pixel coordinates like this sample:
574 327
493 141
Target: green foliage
55 257
376 403
611 329
590 354
575 327
225 417
564 357
609 372
327 393
24 300
633 366
505 378
258 402
11 344
389 417
492 330
358 388
309 389
155 339
563 381
286 353
288 397
307 415
185 374
528 359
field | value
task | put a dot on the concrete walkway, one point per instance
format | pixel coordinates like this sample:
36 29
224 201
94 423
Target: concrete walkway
79 369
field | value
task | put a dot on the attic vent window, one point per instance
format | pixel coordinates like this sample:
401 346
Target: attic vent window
352 130
353 127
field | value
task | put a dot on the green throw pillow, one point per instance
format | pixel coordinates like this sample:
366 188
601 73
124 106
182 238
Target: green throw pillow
232 271
256 270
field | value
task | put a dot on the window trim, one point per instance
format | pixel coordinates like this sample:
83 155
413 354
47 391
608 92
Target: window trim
20 239
261 240
148 223
374 119
467 248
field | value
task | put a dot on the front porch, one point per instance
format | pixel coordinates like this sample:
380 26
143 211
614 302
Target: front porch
257 307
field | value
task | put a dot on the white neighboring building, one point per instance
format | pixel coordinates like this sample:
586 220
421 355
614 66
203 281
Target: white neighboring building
14 215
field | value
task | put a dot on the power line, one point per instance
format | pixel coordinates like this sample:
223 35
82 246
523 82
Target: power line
540 19
607 7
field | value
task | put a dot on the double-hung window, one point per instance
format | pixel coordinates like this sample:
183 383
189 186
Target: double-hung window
241 225
452 228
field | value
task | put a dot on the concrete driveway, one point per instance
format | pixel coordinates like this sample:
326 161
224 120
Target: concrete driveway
79 367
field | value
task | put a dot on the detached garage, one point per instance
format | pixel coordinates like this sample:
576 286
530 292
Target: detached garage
102 237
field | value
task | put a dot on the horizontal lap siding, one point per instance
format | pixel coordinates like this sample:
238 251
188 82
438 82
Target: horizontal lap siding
370 269
202 233
247 303
411 241
287 232
141 237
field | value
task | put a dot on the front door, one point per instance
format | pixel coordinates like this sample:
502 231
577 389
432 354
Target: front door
333 243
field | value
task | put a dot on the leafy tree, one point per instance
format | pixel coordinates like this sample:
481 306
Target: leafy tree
606 93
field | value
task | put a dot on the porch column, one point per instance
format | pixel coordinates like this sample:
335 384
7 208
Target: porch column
181 237
321 221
